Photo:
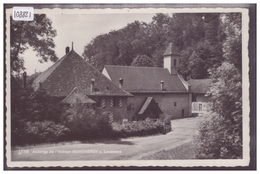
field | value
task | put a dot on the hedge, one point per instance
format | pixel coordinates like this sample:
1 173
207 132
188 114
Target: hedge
141 128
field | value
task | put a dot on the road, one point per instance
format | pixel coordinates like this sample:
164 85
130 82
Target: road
134 148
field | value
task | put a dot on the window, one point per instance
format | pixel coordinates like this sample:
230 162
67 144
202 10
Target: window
174 62
112 102
98 102
175 103
182 112
194 98
111 117
116 101
101 102
120 102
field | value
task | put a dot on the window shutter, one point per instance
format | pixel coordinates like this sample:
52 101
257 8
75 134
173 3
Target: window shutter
120 103
103 102
111 102
111 117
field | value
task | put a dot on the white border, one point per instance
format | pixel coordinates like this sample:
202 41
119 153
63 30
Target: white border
169 163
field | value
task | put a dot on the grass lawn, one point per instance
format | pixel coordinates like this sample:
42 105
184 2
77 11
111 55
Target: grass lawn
185 151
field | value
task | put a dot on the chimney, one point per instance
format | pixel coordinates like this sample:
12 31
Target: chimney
24 79
121 81
92 85
67 50
162 85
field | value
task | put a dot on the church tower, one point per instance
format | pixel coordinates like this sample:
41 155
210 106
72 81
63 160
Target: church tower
171 59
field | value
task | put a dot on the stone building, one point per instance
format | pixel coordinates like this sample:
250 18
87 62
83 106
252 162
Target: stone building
200 99
71 78
164 86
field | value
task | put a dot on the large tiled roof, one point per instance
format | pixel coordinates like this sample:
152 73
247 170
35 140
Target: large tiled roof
73 71
145 79
200 85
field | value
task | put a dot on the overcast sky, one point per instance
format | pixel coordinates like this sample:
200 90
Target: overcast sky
80 29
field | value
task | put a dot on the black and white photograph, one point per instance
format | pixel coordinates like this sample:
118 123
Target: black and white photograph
127 87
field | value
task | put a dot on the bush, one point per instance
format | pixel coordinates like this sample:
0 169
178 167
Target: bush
167 123
218 138
221 132
140 128
45 132
84 123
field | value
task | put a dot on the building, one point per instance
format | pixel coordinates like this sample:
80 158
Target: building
163 87
71 78
200 99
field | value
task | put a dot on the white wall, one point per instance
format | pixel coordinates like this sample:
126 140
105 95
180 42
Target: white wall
167 63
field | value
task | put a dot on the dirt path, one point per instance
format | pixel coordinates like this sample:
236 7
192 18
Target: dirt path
184 131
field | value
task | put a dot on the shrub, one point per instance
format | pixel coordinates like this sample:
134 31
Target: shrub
140 128
221 132
84 123
167 123
44 132
218 138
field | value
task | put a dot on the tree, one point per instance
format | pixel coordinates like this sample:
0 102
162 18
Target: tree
37 34
199 37
143 61
232 45
84 123
221 134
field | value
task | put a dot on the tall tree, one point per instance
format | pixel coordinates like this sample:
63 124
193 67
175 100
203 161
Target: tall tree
221 134
232 45
37 34
198 36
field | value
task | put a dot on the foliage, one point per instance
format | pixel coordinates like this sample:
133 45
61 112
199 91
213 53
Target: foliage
140 128
45 132
167 123
37 34
84 123
219 138
143 61
29 106
232 45
221 135
198 36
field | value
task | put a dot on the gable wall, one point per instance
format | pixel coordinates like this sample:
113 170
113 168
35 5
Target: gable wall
165 102
119 113
167 63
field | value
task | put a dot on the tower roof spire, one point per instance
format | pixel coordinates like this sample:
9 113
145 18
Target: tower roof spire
72 46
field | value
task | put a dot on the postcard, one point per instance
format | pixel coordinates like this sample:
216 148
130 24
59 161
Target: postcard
120 87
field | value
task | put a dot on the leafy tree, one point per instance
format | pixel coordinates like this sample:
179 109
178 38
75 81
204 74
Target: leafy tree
37 34
84 123
232 45
221 134
143 61
29 106
199 37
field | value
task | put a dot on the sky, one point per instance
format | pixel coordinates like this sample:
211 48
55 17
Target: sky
80 29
